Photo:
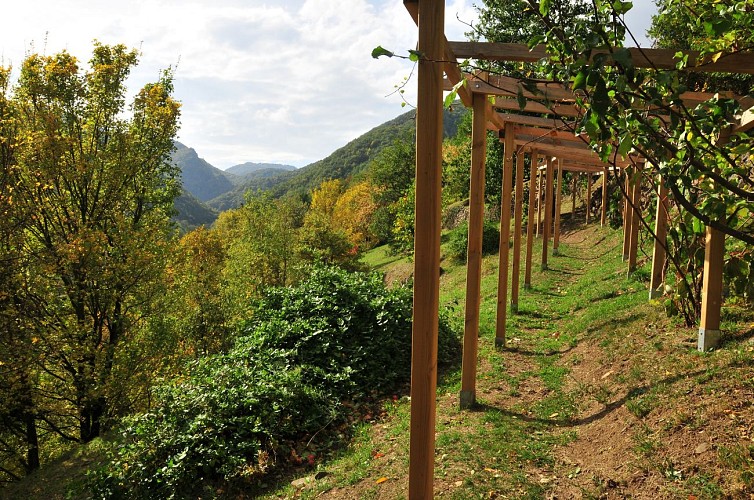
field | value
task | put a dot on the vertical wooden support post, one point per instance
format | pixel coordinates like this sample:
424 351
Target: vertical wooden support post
626 215
505 232
603 208
540 195
558 202
547 207
712 290
533 194
518 217
661 232
633 246
474 253
588 201
573 195
431 20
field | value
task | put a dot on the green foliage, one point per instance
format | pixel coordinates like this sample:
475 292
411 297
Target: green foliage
458 240
335 337
92 193
402 239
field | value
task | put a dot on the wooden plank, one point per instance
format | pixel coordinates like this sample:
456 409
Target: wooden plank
633 246
506 86
474 253
518 217
741 62
558 201
536 121
530 219
661 230
540 194
551 133
568 110
712 290
626 216
547 206
431 16
505 228
449 66
573 194
588 201
603 208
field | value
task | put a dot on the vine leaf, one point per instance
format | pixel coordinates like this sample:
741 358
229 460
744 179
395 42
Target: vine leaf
380 51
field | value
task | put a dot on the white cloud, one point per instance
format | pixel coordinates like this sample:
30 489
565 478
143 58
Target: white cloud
287 81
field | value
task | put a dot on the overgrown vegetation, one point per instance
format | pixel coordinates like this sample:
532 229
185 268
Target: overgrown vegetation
311 353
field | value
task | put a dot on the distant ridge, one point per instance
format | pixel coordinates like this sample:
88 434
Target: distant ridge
199 177
249 167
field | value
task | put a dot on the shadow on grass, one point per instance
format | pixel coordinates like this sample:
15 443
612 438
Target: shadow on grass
527 352
605 411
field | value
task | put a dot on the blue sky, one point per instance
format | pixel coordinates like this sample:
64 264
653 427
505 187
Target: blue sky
285 81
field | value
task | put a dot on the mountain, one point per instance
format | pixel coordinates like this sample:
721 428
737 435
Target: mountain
192 213
199 177
344 162
249 167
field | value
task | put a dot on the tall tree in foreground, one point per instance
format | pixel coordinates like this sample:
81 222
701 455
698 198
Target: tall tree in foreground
93 191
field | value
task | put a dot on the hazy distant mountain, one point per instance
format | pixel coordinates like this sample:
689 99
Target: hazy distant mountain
199 177
249 167
346 161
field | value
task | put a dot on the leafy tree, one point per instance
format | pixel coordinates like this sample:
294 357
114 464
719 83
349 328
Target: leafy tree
93 190
322 240
353 213
261 241
628 109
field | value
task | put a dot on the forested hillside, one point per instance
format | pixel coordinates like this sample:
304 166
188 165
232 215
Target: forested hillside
350 160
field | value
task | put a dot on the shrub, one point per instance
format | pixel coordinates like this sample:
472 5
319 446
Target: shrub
458 240
333 338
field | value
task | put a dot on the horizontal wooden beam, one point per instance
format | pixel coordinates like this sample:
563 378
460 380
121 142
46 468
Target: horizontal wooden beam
551 133
739 62
535 107
536 121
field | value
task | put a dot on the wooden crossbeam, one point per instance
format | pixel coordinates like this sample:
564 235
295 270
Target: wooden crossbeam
568 110
739 62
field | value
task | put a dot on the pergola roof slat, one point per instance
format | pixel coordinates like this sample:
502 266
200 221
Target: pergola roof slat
738 62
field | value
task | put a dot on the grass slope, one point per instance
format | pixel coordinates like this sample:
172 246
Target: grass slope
598 395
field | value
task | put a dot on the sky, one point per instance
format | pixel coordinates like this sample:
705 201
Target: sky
286 81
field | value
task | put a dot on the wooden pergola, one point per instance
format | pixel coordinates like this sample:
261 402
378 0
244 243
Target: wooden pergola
553 148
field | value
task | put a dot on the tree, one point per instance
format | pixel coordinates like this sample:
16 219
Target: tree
94 189
261 239
633 110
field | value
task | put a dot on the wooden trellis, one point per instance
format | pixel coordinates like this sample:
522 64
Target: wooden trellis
549 143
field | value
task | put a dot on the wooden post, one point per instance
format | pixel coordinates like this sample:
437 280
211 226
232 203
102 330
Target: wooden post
603 208
505 230
558 201
588 201
540 195
547 207
633 247
519 208
626 215
712 290
573 195
431 19
474 253
661 230
533 194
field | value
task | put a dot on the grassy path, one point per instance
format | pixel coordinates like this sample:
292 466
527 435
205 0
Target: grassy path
598 395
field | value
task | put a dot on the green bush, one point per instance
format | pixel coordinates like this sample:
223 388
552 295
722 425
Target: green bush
458 240
334 338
